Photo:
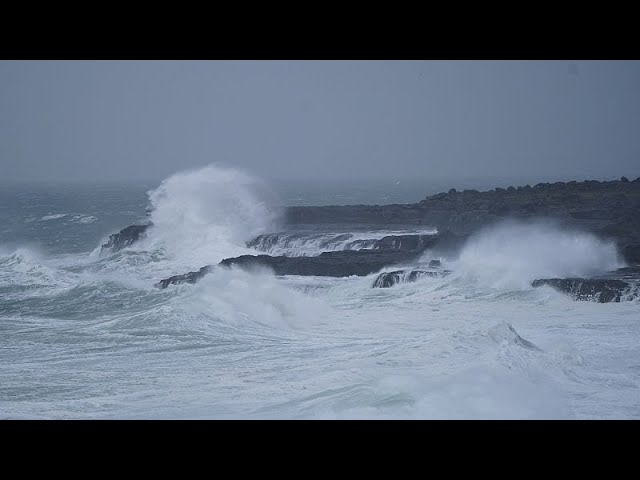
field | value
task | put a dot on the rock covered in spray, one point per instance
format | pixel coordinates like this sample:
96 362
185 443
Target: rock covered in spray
616 286
125 238
389 279
608 209
190 277
588 289
392 250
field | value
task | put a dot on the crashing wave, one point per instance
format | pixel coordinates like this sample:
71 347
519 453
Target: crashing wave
300 244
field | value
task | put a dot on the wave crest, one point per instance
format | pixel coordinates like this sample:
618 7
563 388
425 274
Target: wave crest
208 213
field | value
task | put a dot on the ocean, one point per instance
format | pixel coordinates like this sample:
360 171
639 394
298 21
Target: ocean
85 334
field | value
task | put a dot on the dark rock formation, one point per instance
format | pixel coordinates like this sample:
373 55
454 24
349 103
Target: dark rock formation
610 209
435 264
621 284
329 264
390 250
389 279
191 277
417 243
125 237
360 244
592 289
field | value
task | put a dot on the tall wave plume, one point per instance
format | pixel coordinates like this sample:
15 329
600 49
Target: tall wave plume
511 254
201 216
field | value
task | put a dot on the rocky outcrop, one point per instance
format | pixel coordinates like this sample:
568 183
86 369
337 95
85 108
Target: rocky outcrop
610 209
389 279
615 286
191 277
390 250
328 264
417 243
590 289
124 238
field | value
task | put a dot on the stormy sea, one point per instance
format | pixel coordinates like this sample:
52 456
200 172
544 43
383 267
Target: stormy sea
381 310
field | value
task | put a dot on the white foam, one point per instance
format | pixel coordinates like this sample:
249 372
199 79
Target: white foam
84 219
248 298
53 217
27 266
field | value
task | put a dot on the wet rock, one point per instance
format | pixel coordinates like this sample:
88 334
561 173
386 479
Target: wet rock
191 277
610 208
343 263
417 243
590 289
360 244
389 279
125 237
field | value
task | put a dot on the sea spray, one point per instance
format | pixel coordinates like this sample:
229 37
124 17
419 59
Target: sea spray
511 254
246 299
201 216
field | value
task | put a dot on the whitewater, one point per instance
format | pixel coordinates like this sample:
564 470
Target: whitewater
86 334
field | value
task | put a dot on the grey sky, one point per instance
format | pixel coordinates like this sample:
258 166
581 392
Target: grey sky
103 120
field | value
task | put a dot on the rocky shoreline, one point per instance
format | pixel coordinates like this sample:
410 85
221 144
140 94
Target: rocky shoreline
610 210
342 263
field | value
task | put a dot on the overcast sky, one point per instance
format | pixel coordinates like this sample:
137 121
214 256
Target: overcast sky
104 120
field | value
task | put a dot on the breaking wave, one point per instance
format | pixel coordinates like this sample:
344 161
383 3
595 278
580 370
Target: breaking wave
204 215
300 244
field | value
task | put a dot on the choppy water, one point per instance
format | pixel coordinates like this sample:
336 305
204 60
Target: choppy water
88 336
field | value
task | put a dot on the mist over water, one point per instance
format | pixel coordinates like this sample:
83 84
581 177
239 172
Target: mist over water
88 336
512 254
